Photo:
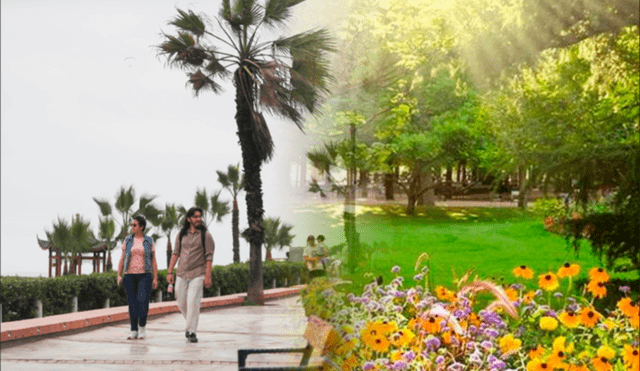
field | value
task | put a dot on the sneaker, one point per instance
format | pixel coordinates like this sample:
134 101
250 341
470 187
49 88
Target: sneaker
132 335
141 333
186 334
192 337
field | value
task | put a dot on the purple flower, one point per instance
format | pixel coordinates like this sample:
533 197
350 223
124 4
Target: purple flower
395 269
624 289
432 343
498 365
490 333
439 359
409 356
571 300
473 329
455 367
557 295
398 294
551 313
327 292
418 277
476 357
491 318
487 345
471 345
368 366
397 308
399 365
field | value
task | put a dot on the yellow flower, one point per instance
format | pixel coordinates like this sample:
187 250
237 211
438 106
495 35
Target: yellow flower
524 272
606 352
348 329
402 337
589 317
569 319
628 307
396 356
598 274
568 270
631 358
511 293
578 368
529 296
597 289
548 323
349 363
509 343
346 347
548 281
559 344
560 352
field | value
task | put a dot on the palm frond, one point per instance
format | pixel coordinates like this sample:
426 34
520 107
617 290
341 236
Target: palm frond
219 208
261 137
125 199
201 199
188 21
104 205
277 12
200 82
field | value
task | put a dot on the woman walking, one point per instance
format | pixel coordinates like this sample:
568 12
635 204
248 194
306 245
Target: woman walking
138 262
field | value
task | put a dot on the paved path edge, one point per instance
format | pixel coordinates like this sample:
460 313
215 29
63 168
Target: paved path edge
34 327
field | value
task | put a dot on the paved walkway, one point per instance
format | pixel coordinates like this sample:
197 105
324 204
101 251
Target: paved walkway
221 331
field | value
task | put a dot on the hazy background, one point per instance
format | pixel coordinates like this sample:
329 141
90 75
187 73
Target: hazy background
88 107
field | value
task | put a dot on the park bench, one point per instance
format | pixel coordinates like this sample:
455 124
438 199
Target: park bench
320 336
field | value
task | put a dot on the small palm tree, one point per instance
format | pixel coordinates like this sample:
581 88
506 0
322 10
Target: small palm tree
106 234
233 182
285 77
212 206
170 221
276 236
72 239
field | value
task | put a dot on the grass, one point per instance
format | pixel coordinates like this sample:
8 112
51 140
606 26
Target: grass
488 242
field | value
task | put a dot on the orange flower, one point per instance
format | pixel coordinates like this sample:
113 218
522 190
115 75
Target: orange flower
634 321
598 274
402 337
569 319
443 294
350 363
601 364
628 307
432 324
568 270
378 343
529 296
597 289
511 293
589 317
524 272
536 364
548 281
578 368
631 358
559 354
536 352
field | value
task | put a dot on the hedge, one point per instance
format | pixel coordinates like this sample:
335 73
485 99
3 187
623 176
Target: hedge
19 294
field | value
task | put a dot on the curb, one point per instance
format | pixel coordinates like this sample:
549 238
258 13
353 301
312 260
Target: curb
34 327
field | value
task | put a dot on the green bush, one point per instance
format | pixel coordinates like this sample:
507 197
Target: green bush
19 294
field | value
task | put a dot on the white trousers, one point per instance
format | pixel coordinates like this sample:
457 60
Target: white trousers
189 295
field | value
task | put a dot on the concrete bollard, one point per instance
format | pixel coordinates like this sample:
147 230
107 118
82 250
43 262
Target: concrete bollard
298 280
107 303
219 291
39 313
274 285
159 296
286 282
74 304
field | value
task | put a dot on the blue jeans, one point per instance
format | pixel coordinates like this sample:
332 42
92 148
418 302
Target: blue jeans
138 288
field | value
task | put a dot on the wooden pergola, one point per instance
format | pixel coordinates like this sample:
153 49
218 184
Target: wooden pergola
97 255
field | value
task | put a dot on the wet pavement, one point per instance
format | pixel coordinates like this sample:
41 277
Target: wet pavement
221 331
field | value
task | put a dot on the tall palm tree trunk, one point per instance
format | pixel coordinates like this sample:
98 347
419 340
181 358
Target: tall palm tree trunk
253 184
235 230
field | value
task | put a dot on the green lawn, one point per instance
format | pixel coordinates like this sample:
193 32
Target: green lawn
488 241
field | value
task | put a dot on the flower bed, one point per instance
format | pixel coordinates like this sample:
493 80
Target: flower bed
395 327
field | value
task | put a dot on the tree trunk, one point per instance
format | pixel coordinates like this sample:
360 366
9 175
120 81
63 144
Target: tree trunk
169 250
448 188
522 186
364 183
235 231
429 196
388 186
253 184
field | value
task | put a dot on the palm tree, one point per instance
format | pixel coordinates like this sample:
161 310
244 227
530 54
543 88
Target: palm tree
106 234
124 201
72 239
275 235
285 77
170 221
233 182
211 206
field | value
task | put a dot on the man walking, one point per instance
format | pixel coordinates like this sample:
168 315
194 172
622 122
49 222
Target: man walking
194 248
